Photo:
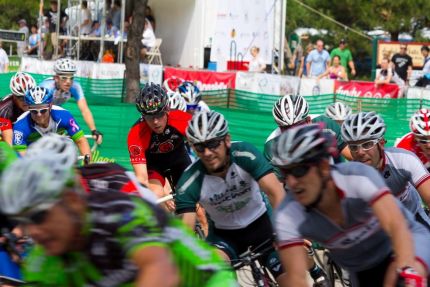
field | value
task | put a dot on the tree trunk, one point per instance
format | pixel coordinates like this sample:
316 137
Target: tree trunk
132 51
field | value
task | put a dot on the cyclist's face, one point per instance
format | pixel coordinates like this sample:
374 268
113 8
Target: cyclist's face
64 82
214 155
424 144
40 114
157 123
367 152
19 101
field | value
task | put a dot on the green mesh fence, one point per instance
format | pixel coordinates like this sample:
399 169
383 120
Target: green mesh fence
249 114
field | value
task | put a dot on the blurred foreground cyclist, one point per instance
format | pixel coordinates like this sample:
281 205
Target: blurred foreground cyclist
102 237
349 210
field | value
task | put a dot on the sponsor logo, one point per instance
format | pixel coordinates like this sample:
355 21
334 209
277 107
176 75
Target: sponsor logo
135 150
18 137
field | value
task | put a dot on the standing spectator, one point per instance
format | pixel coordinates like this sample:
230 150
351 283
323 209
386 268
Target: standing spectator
425 79
256 64
336 71
116 14
345 57
22 46
33 41
302 68
86 22
402 63
148 39
318 60
52 15
4 60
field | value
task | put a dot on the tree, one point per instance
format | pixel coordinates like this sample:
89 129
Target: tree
132 54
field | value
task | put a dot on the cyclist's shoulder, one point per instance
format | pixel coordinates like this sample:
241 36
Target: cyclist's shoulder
328 123
139 129
243 149
23 121
356 176
407 141
59 113
48 83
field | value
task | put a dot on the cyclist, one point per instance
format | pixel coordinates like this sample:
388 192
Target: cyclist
348 209
42 118
101 238
227 181
63 87
418 140
6 131
176 101
193 97
293 110
13 105
156 141
99 176
338 112
403 172
172 84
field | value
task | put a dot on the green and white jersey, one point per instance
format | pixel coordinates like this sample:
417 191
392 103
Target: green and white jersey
232 202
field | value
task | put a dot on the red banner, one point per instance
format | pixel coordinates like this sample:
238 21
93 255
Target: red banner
209 80
366 89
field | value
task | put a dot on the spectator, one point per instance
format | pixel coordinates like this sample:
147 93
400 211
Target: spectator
150 16
111 30
96 30
402 63
85 24
33 41
345 57
336 71
387 75
295 62
4 60
256 64
22 46
318 60
424 81
116 14
52 15
148 39
302 69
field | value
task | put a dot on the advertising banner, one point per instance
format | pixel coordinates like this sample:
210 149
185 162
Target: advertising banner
367 89
391 48
262 83
206 80
151 73
314 87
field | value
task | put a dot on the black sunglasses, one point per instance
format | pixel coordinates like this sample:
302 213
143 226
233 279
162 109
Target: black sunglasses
36 218
211 145
297 171
41 111
154 117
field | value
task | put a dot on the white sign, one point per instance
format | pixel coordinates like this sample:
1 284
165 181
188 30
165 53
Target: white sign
151 73
262 83
313 87
241 24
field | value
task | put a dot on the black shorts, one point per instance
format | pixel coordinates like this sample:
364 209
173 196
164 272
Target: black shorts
374 277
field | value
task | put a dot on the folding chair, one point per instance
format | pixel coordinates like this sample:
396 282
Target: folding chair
154 55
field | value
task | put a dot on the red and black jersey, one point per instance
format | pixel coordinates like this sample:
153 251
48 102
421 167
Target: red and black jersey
144 145
5 124
9 110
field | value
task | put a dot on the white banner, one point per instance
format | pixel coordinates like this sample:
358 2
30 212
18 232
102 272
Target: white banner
418 93
262 83
313 87
36 66
151 73
241 24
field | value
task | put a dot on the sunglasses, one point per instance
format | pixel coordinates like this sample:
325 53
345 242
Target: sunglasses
422 140
365 146
66 78
154 117
284 128
211 145
402 48
39 111
297 171
37 217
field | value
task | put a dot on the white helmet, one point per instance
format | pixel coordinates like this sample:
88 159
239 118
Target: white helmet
172 84
65 66
363 126
290 110
303 144
20 83
62 148
205 126
33 183
420 123
191 93
338 111
176 101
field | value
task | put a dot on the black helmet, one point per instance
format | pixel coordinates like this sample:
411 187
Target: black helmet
152 100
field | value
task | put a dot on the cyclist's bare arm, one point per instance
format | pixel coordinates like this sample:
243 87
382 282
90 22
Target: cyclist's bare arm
424 191
7 136
273 188
294 260
155 267
394 224
83 146
141 171
189 218
88 116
